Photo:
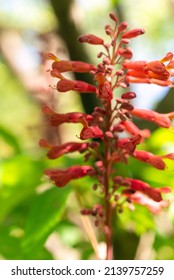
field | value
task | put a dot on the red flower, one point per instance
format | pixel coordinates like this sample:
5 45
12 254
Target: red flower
129 144
150 158
63 177
128 95
57 151
138 185
74 117
152 116
126 53
104 88
75 66
91 132
133 33
65 65
91 39
66 85
155 72
169 156
154 206
122 26
131 128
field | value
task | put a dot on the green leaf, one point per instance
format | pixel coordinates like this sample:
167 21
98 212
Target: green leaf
45 213
10 139
20 176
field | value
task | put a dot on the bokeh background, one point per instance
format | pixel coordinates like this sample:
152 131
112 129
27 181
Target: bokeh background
38 220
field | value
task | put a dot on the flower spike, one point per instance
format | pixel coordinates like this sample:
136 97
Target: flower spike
109 137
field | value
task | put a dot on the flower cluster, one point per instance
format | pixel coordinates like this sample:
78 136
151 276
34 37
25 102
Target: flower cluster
111 125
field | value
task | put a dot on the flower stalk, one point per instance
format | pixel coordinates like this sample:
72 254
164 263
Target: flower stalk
109 136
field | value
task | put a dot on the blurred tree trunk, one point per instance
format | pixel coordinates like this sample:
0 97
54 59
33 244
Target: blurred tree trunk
69 32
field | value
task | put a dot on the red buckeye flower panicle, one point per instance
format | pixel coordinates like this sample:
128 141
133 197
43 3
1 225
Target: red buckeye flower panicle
109 136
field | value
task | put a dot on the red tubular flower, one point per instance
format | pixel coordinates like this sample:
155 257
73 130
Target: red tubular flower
167 57
122 26
133 33
126 53
91 132
75 66
126 144
115 116
135 65
128 95
104 88
131 128
155 72
152 116
63 177
91 39
113 17
56 74
56 119
66 85
154 206
134 80
129 144
57 151
150 158
138 185
105 91
169 156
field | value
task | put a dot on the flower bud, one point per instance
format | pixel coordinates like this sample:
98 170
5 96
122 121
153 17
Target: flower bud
135 65
157 118
138 185
168 57
109 134
133 33
122 26
109 30
91 39
58 151
63 177
126 53
113 17
128 95
155 161
127 106
66 85
91 132
75 66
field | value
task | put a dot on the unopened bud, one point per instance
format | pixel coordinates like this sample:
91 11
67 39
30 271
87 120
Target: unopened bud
133 33
113 17
127 106
128 95
122 26
109 30
91 39
109 134
119 73
125 41
126 53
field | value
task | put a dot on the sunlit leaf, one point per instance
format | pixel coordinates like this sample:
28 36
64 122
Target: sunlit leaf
10 139
45 213
20 176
